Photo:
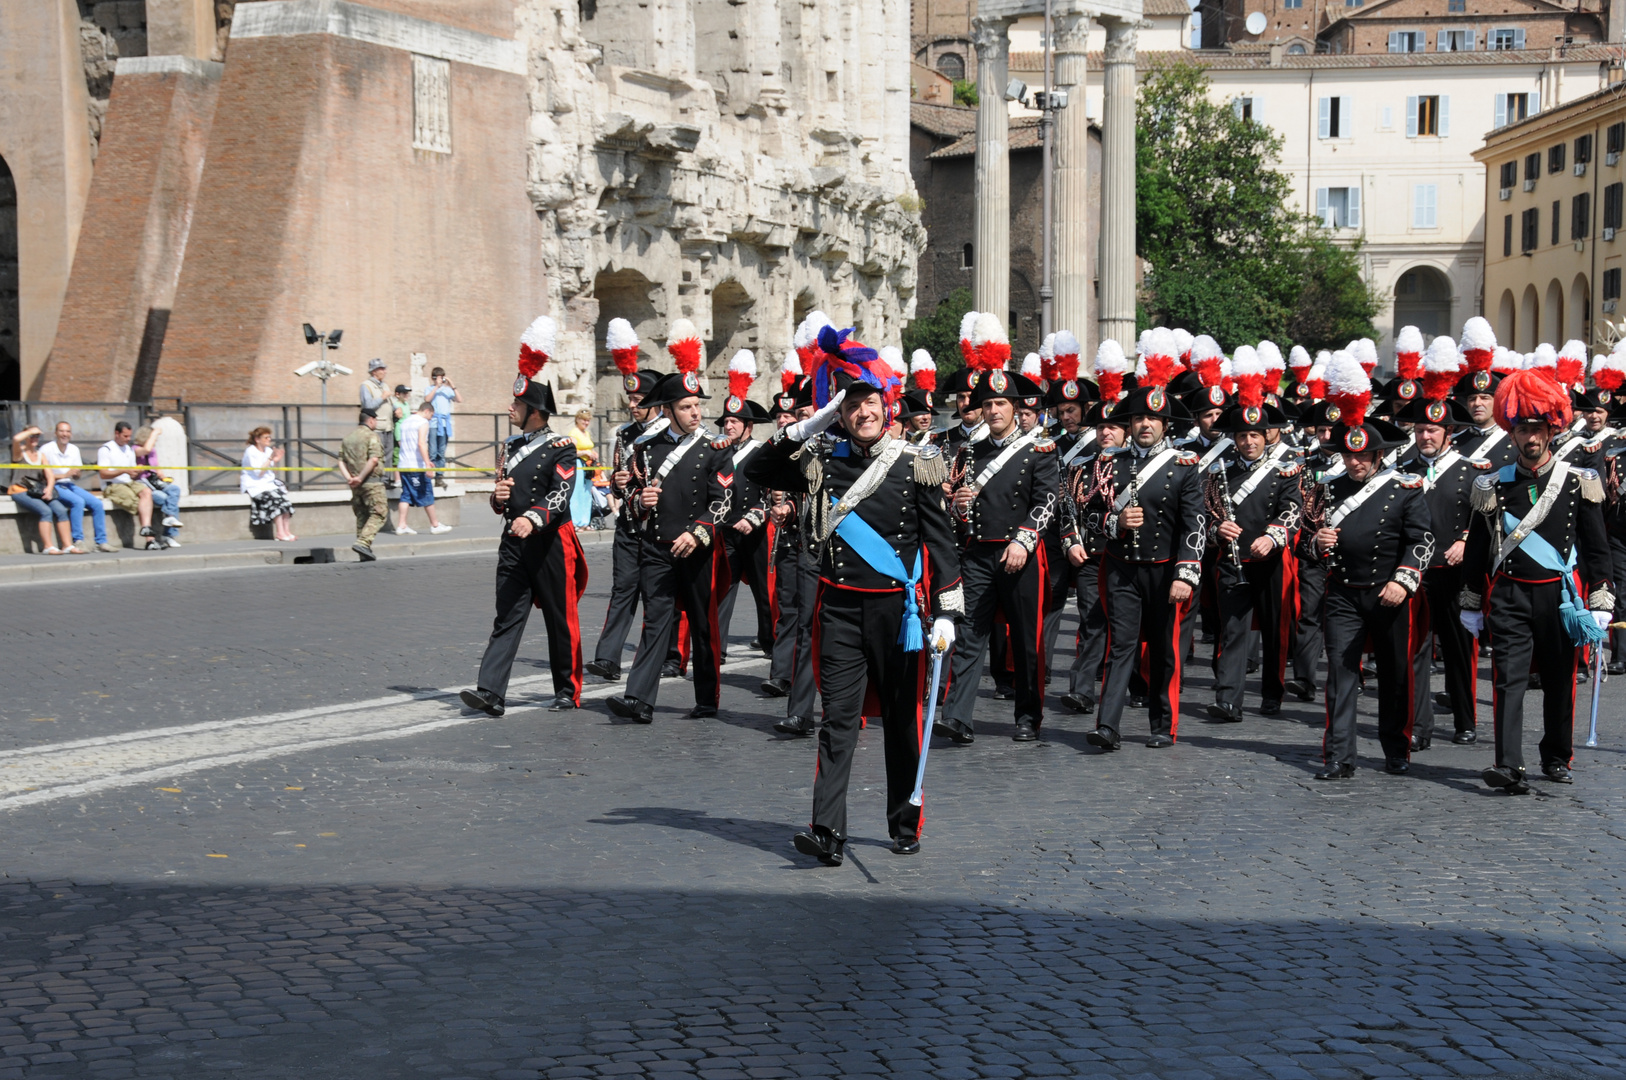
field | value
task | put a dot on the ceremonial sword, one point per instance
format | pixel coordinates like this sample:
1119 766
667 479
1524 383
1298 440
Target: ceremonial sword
918 798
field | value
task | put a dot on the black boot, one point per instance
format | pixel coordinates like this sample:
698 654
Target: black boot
483 701
822 844
795 725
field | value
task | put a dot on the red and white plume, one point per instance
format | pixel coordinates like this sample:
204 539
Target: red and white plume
1227 383
1298 359
1110 368
1478 344
1158 362
1365 352
1543 360
1183 341
1409 352
1207 360
1032 365
1249 371
622 341
1349 388
790 371
684 345
1441 368
1316 377
806 339
989 345
968 352
894 360
924 369
1572 362
1275 366
1503 361
742 372
1609 372
536 345
1066 363
1047 358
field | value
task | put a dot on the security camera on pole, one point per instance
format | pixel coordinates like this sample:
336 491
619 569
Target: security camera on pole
322 367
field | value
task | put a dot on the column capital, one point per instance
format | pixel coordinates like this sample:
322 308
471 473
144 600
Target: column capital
1072 32
1121 37
991 32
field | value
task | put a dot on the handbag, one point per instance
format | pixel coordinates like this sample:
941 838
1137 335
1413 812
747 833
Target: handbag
30 486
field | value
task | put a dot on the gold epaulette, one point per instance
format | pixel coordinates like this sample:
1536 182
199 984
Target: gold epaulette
931 467
1591 485
1483 495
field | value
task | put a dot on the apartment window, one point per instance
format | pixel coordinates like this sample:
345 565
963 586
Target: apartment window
1249 108
1293 3
1337 117
1505 39
1424 206
1529 227
1555 158
1556 205
1339 207
1532 166
1428 115
1510 174
1407 40
1455 6
952 65
1507 235
965 257
1455 40
1353 3
1611 284
1511 108
1615 138
1583 149
1612 205
1581 216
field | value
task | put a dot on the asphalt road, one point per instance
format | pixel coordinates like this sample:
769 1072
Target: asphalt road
248 833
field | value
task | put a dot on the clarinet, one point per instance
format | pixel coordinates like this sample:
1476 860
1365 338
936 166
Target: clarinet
1230 507
1134 497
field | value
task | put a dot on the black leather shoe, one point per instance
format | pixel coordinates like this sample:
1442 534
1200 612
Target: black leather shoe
1105 738
905 845
1369 667
671 671
1535 680
1136 701
702 712
1396 766
630 708
756 643
1442 702
483 701
562 702
776 687
1421 742
954 730
1504 779
1336 772
1225 714
1557 772
795 725
1159 742
1026 730
1075 702
1465 738
822 844
1270 707
604 669
1303 689
1004 693
1253 666
1582 675
1616 667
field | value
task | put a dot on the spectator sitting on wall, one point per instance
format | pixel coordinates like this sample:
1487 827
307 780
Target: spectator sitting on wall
268 502
418 471
361 464
443 395
166 493
64 463
32 489
116 462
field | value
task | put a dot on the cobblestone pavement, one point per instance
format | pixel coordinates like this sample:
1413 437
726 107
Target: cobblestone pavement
380 894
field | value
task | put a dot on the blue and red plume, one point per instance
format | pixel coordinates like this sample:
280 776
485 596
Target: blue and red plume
837 354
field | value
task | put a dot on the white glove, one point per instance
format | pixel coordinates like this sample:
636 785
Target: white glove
1603 619
803 430
1472 621
942 634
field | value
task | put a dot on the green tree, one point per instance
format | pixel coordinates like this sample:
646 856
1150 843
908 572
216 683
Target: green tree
1227 256
965 92
939 332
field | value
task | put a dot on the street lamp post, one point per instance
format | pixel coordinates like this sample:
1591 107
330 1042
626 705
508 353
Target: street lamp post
1047 293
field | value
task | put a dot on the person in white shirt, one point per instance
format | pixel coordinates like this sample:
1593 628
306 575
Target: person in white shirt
418 470
116 462
64 461
267 495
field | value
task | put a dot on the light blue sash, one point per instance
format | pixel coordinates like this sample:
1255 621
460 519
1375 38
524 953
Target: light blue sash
1578 622
870 546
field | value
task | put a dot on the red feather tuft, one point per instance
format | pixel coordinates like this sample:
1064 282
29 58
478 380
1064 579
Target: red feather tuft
1528 394
968 353
1111 384
1066 367
1437 385
626 360
1318 389
1478 359
1352 407
926 379
1209 370
1250 390
1570 369
1609 379
685 354
531 361
739 383
1159 370
991 355
1408 364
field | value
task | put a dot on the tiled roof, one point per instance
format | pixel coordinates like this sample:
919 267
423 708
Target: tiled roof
1166 7
949 120
1024 135
1226 60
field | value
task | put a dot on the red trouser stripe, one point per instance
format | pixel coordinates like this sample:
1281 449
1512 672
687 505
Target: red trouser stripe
575 560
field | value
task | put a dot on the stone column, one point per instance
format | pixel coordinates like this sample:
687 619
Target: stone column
1071 158
991 235
1117 256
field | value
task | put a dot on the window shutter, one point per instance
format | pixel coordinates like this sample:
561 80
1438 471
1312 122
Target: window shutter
1535 101
1445 116
1258 109
1236 107
1501 111
1442 41
1354 206
1346 116
1411 117
1518 38
1321 204
1325 129
1430 195
1468 46
1394 41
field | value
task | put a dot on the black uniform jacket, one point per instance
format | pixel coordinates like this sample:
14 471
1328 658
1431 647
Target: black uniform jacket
1019 501
1492 444
749 501
906 509
1077 482
621 458
1274 507
1447 496
543 479
695 495
1175 525
1386 538
1575 521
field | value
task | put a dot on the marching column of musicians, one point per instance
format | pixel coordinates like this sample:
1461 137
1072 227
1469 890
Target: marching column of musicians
1392 530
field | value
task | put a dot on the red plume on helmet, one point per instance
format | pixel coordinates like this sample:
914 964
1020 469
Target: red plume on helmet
1110 368
1478 343
1442 367
968 352
990 348
1249 372
1316 377
1609 372
1349 388
1047 358
684 345
1409 352
742 372
536 346
791 371
1066 362
622 341
1158 362
924 369
1207 360
1531 395
1571 363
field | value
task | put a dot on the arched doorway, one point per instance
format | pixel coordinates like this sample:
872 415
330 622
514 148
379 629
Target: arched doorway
1580 311
1506 324
624 294
733 327
11 372
1529 320
1552 318
1423 300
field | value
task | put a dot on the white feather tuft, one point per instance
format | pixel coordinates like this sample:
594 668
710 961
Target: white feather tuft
1442 354
793 363
1365 351
1344 375
1066 343
620 335
1047 348
987 329
542 335
921 360
745 361
1182 340
1271 356
1545 356
1298 358
1032 365
968 322
1204 347
1109 357
1247 361
894 360
1410 340
683 330
1477 334
1574 350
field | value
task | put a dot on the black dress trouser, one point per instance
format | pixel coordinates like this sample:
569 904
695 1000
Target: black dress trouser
1090 647
1136 599
1254 588
1458 650
612 640
1350 617
671 585
992 591
543 568
796 588
859 650
1526 626
1307 641
747 565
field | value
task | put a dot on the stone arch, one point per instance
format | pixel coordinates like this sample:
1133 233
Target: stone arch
1580 311
11 352
1423 299
733 327
1552 317
805 304
1529 320
1506 322
624 294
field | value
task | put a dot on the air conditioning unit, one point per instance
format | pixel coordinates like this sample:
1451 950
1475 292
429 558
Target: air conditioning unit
1609 306
1530 184
1609 234
1612 158
1580 168
1504 193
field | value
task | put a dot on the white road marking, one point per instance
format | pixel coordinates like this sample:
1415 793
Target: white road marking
65 770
